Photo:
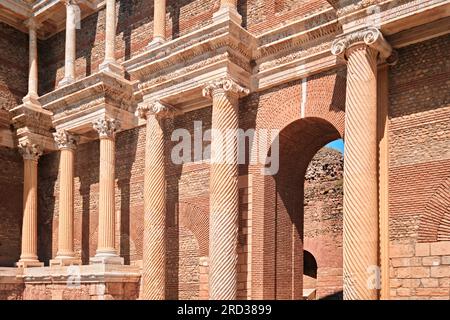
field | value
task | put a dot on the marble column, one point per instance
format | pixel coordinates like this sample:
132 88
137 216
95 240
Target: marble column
109 63
159 23
66 142
31 153
106 251
228 11
224 191
155 237
72 14
32 95
362 49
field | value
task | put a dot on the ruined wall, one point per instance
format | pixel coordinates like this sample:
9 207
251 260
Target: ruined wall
419 173
11 186
323 221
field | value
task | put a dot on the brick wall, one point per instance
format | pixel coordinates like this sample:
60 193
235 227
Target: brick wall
323 221
13 66
419 174
11 191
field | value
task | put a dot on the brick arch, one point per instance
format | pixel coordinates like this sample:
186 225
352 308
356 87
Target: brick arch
434 224
195 219
281 108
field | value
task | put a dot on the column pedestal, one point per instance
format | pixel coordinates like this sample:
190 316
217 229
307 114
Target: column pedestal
228 12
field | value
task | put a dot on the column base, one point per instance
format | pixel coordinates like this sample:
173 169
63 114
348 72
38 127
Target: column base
65 261
156 42
29 264
66 81
227 14
106 259
112 67
31 99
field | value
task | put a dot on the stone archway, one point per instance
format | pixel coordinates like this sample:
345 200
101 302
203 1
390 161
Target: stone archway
283 200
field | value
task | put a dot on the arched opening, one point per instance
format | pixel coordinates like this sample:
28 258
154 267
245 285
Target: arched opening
284 211
309 274
323 220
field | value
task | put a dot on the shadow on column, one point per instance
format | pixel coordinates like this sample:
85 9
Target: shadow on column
87 164
126 147
173 173
47 177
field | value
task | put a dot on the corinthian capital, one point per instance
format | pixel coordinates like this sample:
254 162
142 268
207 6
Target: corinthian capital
157 108
224 85
32 24
30 151
106 128
65 140
371 37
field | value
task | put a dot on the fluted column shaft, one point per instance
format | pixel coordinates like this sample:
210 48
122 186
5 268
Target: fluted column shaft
66 142
70 54
224 191
106 251
155 238
28 257
110 32
159 22
65 232
106 227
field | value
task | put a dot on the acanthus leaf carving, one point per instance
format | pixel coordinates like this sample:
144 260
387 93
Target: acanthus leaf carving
65 140
106 128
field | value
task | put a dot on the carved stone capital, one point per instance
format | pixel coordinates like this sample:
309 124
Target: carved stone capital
30 151
371 37
222 86
71 2
32 24
106 128
65 140
157 108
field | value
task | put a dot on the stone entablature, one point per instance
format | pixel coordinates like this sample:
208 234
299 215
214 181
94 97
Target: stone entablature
78 105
